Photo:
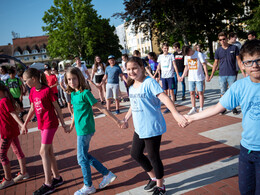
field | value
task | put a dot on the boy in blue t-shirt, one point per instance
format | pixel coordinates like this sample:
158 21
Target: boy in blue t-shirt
246 93
112 74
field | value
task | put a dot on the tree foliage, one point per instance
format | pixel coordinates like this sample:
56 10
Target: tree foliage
187 20
75 29
254 22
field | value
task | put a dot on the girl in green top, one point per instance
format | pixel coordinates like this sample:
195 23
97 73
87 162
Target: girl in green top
83 119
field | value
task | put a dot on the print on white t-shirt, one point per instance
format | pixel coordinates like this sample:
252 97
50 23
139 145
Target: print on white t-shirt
195 66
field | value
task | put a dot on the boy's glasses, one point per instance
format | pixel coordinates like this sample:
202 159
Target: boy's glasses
250 63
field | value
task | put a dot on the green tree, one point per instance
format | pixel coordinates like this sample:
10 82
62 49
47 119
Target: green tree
187 20
75 29
254 22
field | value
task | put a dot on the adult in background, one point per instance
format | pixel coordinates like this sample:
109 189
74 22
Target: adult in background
82 68
233 41
226 56
251 35
98 70
4 74
179 60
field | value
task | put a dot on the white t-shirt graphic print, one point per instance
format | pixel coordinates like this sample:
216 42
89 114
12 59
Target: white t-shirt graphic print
195 66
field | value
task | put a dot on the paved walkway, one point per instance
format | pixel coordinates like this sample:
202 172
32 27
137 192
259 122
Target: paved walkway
200 159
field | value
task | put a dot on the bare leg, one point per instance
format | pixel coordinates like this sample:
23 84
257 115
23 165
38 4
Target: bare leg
100 94
201 95
46 162
7 171
22 164
54 167
70 108
151 174
159 182
192 97
172 94
117 104
108 104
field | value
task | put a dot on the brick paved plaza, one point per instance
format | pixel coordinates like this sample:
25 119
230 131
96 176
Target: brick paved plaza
200 159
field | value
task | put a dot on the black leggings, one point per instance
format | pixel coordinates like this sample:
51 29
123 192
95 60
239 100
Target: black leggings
152 146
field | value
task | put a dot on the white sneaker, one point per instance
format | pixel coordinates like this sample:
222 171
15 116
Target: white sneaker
6 183
192 111
201 109
109 178
20 177
86 190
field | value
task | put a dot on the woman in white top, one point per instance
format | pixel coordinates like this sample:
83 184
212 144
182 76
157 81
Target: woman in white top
98 70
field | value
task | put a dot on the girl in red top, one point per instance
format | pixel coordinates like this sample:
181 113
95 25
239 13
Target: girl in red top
9 131
44 104
52 80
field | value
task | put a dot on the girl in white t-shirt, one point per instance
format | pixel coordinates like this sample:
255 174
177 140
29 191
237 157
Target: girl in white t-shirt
98 70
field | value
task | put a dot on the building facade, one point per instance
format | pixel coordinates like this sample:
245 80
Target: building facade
6 50
130 41
31 49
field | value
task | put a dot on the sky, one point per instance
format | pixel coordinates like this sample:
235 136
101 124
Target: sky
25 16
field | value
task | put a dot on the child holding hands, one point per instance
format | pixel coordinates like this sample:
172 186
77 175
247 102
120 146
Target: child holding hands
145 97
246 93
83 119
44 104
9 131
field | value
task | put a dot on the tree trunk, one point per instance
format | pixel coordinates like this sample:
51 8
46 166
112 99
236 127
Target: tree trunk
185 40
211 55
151 38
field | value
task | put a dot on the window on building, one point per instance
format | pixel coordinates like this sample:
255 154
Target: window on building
34 51
26 52
35 57
17 53
44 56
43 50
26 58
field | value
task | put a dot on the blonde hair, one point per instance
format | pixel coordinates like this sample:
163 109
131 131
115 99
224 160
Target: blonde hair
81 79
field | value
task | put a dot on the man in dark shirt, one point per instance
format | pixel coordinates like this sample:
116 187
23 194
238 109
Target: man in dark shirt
179 60
226 57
